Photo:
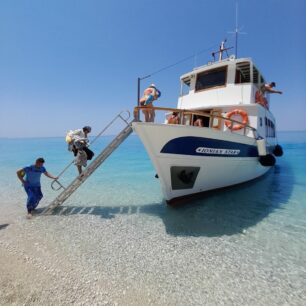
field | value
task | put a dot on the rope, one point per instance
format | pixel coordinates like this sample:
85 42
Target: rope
179 62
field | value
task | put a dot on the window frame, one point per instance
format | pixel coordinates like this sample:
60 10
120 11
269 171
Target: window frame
238 68
225 67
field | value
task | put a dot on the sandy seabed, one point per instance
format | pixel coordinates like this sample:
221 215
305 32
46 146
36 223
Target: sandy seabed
120 256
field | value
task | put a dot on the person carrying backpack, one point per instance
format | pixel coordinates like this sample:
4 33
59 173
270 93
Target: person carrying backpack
78 143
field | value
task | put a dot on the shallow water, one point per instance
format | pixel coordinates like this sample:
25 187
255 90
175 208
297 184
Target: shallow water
264 219
126 181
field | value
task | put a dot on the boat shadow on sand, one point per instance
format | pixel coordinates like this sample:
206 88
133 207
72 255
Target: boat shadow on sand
3 226
223 212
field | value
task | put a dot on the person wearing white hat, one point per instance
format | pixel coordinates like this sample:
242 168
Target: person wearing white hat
78 143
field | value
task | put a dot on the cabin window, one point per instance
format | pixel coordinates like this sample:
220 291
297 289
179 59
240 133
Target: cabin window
273 129
185 86
243 73
211 78
203 120
270 128
255 75
260 120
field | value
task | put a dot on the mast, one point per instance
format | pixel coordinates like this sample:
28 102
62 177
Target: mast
221 50
236 31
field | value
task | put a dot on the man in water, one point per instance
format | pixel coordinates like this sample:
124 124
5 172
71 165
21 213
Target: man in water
31 183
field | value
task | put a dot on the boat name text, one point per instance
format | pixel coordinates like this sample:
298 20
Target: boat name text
204 150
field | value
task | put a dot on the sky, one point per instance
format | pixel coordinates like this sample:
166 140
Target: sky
66 64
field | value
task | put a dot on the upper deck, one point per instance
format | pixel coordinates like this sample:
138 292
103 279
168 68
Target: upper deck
226 82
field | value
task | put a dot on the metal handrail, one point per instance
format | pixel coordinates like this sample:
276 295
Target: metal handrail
120 115
196 112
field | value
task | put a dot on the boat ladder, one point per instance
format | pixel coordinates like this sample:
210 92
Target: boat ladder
96 163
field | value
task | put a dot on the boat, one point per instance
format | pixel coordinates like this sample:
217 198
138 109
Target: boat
236 141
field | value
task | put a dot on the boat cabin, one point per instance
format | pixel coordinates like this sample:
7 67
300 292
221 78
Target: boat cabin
227 82
220 87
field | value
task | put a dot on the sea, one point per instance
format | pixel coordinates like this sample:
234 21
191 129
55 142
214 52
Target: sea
127 179
270 211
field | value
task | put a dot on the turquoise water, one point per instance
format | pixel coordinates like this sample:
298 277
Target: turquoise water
243 245
125 182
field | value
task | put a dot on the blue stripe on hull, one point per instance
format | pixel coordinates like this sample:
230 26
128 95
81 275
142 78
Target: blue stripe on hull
200 146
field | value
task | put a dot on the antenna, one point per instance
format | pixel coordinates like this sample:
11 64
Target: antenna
237 31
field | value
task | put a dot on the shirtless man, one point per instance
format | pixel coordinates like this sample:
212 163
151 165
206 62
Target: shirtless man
269 88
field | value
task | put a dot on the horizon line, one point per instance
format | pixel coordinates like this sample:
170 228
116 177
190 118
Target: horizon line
29 137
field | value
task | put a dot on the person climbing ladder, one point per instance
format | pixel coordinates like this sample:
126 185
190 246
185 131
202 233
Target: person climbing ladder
78 143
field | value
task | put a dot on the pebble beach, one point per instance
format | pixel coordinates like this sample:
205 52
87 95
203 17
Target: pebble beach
231 247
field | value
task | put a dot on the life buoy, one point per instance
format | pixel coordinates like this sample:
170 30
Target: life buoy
236 126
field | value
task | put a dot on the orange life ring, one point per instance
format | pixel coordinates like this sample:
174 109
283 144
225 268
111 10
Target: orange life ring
236 126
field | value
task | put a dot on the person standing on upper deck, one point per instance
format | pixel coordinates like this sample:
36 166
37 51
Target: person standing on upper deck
150 94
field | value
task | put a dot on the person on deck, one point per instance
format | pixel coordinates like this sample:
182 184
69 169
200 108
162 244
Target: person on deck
78 143
198 121
174 118
269 88
150 94
30 179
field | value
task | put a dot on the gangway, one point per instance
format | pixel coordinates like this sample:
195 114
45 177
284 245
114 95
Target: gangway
96 163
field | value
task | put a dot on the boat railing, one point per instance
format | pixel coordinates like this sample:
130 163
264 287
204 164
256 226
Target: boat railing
184 113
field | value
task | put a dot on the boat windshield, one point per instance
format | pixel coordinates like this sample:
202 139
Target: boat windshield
211 78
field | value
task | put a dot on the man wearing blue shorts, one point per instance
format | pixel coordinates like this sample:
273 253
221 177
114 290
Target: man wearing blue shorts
31 183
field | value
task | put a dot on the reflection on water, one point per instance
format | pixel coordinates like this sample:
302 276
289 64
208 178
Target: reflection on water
223 212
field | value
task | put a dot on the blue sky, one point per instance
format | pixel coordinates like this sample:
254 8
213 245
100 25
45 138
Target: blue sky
66 64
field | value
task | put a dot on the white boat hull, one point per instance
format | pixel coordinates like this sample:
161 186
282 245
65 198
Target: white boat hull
190 160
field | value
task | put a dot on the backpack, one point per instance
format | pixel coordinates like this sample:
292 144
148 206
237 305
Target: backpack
69 136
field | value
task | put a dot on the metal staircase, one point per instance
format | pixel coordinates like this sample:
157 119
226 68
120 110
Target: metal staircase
77 182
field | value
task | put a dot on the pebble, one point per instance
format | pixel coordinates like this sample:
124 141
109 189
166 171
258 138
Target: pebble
93 260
